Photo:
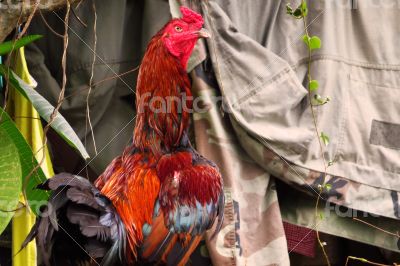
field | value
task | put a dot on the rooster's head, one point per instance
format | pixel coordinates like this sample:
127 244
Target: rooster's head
180 35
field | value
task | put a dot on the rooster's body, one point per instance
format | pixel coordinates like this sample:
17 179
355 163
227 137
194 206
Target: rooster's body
155 201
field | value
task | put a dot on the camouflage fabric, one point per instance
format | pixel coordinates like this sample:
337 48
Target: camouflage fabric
260 68
252 233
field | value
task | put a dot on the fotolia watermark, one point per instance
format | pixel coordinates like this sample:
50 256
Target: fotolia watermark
45 209
179 104
345 212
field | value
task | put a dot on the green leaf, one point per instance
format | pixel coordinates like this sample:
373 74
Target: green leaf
289 9
45 109
328 187
324 138
318 100
9 46
313 85
10 179
315 43
36 197
321 215
298 13
304 9
312 42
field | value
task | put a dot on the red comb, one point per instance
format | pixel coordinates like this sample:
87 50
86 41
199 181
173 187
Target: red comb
189 16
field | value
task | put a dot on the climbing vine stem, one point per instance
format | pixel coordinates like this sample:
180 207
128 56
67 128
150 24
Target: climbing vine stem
315 100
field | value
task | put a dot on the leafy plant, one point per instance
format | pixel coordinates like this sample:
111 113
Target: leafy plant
45 109
17 161
313 42
300 12
27 163
10 178
314 85
8 47
324 138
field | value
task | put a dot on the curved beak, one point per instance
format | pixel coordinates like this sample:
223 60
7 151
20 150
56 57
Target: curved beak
203 33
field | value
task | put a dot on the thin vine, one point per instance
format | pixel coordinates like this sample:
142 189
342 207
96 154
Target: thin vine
59 101
315 100
366 261
88 119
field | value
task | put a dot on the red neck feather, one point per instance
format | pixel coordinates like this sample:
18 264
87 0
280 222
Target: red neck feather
162 99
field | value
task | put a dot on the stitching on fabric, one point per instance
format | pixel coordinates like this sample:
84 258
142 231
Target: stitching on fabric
265 82
347 61
342 130
371 84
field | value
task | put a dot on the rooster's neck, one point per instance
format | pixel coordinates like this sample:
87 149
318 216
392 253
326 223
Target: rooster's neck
163 100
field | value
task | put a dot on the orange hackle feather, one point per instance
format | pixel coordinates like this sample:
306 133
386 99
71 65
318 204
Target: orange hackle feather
163 97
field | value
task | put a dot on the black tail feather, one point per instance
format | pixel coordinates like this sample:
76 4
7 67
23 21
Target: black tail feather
85 215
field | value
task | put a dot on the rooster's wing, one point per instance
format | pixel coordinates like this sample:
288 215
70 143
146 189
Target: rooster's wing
190 201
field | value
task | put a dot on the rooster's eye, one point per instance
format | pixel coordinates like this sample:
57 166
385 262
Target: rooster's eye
178 29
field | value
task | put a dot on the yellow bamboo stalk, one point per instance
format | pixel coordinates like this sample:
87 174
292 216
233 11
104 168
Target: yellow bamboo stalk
28 122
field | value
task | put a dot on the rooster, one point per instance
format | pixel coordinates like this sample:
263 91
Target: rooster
153 204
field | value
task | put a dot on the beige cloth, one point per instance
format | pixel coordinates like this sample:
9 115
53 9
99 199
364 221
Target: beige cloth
261 64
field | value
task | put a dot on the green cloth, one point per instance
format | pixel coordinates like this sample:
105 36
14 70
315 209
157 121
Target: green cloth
123 30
